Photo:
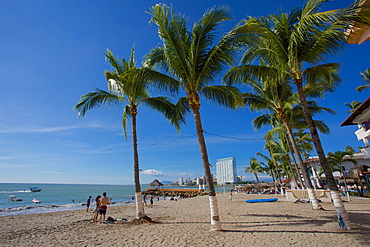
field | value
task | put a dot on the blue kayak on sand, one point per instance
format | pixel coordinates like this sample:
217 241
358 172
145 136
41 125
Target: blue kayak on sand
262 200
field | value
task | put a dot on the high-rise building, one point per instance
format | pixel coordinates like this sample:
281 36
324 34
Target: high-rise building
181 181
226 171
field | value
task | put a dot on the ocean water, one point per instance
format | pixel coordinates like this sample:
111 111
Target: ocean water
57 197
61 197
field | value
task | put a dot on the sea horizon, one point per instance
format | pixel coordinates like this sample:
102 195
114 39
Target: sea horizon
62 197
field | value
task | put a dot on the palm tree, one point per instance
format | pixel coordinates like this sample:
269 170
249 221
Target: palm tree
337 159
195 59
269 166
128 85
279 99
366 77
353 105
254 167
288 44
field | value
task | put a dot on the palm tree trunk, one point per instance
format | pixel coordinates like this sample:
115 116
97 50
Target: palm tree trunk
343 218
307 181
296 175
215 217
256 178
139 204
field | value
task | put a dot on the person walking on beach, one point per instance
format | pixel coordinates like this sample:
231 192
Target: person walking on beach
230 196
88 202
151 201
96 210
144 200
103 207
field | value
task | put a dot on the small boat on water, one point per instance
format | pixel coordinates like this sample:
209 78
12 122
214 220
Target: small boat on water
35 200
13 198
35 189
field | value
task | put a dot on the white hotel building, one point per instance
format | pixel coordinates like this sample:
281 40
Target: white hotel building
226 171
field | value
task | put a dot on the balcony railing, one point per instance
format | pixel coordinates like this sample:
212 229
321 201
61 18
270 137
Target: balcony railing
362 134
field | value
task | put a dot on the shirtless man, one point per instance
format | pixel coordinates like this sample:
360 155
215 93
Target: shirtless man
103 206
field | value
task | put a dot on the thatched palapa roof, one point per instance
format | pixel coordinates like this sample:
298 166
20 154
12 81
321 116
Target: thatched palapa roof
156 183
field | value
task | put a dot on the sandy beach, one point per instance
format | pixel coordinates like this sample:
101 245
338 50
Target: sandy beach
186 223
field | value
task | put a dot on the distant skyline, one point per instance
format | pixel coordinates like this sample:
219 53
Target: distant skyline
52 52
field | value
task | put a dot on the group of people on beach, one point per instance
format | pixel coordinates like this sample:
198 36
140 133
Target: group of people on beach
151 198
101 205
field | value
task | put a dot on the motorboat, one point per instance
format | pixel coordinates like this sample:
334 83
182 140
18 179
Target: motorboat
35 200
13 198
35 189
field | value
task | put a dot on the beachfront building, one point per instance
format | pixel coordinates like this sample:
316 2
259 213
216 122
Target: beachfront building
313 168
226 171
361 118
181 181
201 181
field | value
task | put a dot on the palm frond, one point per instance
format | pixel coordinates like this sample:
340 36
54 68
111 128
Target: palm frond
164 106
227 96
173 32
125 115
323 73
96 99
247 73
159 81
366 77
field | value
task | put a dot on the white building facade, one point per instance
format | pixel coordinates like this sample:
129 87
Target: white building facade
313 166
226 171
361 118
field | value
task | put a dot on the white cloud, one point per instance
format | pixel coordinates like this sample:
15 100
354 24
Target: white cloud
153 172
22 129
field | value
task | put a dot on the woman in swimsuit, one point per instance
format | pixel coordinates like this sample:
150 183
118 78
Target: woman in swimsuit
96 210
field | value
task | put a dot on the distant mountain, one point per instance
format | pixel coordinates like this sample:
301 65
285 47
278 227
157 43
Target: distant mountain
167 182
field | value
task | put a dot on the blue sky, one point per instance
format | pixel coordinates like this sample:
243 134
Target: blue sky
51 52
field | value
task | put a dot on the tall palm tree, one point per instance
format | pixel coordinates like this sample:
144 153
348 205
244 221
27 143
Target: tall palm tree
337 159
194 58
366 77
274 157
254 167
269 166
279 99
128 85
288 44
279 133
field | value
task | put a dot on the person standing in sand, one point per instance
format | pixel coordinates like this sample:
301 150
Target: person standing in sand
96 210
103 206
88 201
151 201
144 200
230 196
